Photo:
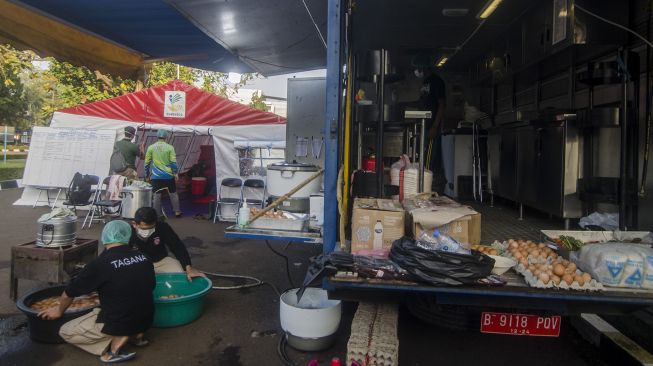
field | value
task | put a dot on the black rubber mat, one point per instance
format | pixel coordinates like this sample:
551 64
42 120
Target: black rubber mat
501 222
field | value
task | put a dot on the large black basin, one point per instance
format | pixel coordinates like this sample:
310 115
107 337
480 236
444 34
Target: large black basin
41 330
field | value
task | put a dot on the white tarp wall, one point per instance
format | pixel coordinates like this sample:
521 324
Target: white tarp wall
226 139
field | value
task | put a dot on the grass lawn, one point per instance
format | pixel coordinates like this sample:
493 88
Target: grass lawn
12 169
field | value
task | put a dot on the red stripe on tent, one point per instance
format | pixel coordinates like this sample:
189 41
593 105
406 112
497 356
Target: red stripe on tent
202 108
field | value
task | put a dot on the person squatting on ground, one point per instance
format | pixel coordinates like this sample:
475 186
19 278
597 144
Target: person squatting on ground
161 169
124 279
154 238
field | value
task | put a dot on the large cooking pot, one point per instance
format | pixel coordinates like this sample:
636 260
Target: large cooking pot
283 177
41 330
135 197
312 322
56 232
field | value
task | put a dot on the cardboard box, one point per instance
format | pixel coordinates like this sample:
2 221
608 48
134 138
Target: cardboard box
376 223
458 221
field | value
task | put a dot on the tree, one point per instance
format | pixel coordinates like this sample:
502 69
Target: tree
13 64
80 85
162 72
258 101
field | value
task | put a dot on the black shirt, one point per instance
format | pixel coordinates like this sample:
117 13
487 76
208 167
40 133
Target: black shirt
124 279
432 90
157 245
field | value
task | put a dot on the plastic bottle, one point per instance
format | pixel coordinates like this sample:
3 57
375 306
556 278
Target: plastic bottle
243 214
378 235
446 244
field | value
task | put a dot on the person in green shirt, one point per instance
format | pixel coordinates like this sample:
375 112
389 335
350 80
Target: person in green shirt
129 151
161 169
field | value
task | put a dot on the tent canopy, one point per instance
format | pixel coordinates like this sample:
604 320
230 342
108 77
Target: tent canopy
203 110
119 36
152 28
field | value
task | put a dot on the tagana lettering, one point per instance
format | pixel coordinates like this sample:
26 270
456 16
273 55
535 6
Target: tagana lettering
128 261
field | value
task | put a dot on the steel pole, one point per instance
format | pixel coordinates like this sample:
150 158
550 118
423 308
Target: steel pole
5 152
422 155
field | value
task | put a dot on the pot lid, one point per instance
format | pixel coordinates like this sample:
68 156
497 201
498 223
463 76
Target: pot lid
294 166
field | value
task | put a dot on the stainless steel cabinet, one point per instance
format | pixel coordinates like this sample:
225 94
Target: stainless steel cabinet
507 168
550 162
527 180
538 166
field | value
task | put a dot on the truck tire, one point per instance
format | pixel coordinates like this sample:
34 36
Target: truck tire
451 317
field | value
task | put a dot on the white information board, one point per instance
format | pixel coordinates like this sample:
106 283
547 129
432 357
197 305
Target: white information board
56 154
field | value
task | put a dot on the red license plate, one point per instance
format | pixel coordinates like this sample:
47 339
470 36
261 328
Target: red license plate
520 324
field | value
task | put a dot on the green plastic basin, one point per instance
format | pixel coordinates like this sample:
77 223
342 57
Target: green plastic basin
183 309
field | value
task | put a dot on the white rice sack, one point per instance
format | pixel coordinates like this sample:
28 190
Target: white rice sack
618 264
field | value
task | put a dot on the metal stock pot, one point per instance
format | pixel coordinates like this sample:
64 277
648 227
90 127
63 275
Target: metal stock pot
283 177
133 198
56 232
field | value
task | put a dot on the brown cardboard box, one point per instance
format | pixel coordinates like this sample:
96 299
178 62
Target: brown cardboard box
462 229
366 213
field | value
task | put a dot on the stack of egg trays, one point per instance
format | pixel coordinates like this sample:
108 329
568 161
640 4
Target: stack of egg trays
373 339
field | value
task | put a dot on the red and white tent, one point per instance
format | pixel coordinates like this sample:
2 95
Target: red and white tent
193 118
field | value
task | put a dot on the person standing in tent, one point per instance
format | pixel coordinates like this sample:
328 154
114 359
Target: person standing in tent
161 169
129 152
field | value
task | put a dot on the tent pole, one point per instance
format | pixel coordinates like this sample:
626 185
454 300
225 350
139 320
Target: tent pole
190 146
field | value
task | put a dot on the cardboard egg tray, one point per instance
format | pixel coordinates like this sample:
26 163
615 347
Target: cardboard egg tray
373 339
534 281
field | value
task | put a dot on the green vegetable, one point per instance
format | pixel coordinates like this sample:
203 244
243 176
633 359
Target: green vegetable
570 243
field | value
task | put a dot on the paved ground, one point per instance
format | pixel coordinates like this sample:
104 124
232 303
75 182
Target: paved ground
224 335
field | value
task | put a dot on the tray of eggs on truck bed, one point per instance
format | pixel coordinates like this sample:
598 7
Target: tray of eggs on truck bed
542 267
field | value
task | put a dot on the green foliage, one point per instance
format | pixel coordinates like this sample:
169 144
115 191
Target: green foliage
13 64
258 102
29 95
80 85
163 72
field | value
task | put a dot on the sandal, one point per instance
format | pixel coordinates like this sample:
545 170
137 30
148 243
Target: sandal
118 357
139 341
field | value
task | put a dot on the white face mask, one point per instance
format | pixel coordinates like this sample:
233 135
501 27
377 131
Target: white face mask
144 233
419 73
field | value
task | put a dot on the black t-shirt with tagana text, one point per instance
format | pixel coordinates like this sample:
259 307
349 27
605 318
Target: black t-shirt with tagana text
124 279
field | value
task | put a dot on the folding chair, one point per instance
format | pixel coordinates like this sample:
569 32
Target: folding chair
101 202
93 180
254 192
230 194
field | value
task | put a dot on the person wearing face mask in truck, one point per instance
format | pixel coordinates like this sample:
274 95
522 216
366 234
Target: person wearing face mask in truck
432 98
154 238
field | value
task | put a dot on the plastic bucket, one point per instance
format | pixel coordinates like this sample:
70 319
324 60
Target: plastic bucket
198 185
187 307
41 330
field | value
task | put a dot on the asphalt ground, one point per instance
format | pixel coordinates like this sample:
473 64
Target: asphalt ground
242 327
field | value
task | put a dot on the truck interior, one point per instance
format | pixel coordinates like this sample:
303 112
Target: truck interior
547 112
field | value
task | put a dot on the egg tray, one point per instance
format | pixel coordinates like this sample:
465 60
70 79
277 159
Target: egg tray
534 281
531 259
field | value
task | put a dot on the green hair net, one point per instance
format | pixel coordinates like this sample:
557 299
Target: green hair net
116 231
162 134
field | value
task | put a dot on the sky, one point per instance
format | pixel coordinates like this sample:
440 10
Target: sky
277 86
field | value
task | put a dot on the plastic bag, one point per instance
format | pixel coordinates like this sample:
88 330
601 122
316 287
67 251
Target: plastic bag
608 221
617 264
440 268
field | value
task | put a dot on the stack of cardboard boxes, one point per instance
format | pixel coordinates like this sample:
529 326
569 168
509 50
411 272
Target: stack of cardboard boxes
376 223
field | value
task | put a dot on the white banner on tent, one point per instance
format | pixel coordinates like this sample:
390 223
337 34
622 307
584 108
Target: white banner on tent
55 155
244 144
